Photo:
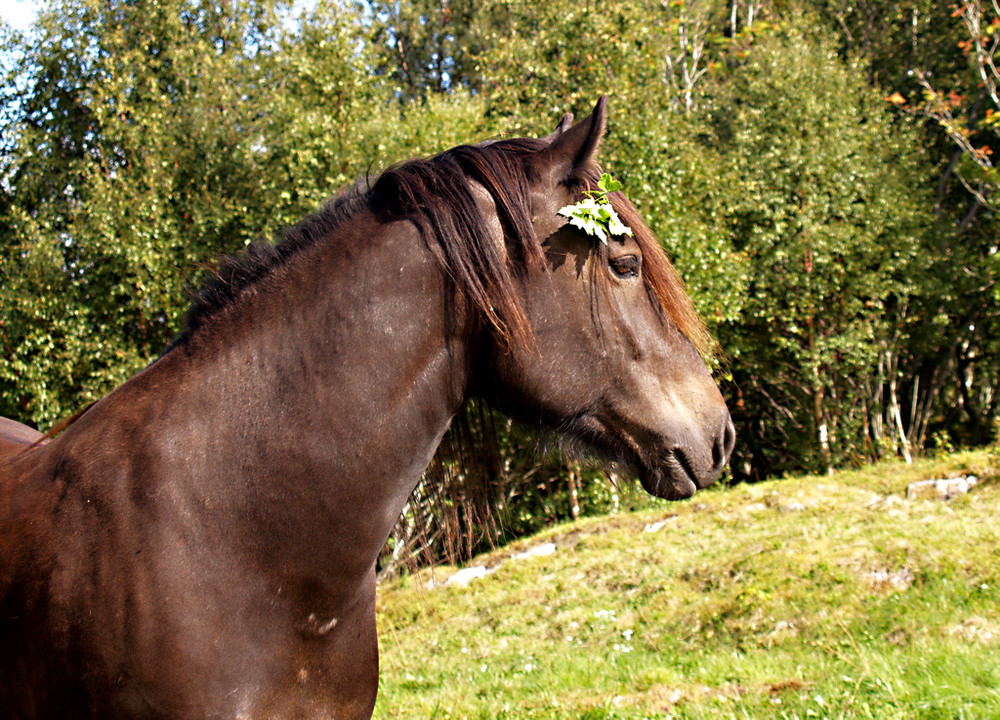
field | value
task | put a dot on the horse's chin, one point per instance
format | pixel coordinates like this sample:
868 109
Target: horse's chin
669 485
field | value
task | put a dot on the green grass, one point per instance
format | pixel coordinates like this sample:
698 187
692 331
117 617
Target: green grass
825 597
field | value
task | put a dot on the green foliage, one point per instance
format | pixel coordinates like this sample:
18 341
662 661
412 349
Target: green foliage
129 144
827 218
425 47
540 60
937 60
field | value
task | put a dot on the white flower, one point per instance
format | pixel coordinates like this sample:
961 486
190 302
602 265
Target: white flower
594 214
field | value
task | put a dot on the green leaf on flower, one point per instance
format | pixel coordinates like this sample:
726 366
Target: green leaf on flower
608 184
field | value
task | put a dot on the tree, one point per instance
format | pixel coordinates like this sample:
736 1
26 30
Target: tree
829 228
427 46
935 62
141 142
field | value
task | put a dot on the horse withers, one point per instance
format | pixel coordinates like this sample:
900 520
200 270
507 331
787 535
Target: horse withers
202 541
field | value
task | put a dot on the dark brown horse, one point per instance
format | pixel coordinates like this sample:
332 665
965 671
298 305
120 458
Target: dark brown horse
201 543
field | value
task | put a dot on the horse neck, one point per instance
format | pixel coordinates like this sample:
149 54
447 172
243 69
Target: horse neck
313 405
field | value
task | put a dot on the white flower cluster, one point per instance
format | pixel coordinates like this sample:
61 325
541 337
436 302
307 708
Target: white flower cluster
594 214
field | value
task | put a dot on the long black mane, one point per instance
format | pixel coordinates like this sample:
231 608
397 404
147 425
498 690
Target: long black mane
237 273
437 194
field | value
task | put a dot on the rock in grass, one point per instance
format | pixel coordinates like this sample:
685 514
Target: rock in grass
466 575
941 489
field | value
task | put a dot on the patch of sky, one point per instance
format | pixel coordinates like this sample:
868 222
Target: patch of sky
20 14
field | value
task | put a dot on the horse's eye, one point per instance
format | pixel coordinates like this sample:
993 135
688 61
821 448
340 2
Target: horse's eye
625 266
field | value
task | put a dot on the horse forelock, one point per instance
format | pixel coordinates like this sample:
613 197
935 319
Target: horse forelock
663 282
504 169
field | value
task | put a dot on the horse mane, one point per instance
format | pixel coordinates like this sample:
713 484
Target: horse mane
238 273
439 196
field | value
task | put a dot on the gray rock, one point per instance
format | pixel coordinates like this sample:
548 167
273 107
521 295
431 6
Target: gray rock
940 489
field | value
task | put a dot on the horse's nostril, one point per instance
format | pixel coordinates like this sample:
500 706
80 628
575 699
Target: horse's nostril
724 444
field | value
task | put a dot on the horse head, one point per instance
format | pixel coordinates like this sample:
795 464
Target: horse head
613 358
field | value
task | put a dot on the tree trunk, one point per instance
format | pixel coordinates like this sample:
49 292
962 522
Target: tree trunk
573 472
895 418
819 421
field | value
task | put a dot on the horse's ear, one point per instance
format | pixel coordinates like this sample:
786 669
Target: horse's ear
562 127
575 148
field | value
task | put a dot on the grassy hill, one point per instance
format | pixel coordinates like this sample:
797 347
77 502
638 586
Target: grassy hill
821 597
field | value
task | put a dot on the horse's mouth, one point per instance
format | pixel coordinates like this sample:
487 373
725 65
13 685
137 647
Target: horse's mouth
669 476
671 480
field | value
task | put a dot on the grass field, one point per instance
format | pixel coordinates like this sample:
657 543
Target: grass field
809 597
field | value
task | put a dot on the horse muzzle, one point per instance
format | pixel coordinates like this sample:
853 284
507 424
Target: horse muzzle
685 468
